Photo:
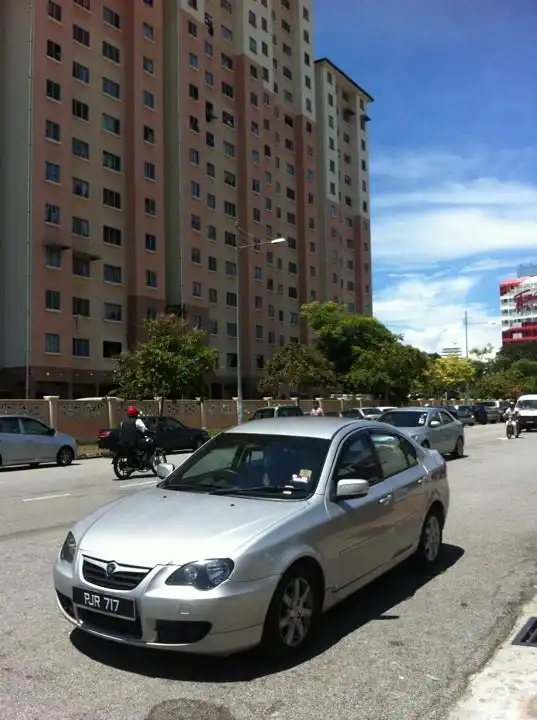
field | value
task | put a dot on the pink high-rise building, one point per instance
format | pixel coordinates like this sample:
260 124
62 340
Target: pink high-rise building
143 141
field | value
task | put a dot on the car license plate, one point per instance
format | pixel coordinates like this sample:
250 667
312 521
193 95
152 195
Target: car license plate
119 607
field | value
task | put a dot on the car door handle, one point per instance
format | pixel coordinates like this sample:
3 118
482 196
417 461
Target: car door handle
421 480
386 500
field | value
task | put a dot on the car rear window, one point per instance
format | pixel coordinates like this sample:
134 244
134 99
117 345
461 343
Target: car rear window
263 414
289 412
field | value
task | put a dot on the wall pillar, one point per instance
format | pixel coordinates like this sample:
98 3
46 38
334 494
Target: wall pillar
52 401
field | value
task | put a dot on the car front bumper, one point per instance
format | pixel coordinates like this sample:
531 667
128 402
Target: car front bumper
222 621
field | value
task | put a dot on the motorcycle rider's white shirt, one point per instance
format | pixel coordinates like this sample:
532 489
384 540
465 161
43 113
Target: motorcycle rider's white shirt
141 426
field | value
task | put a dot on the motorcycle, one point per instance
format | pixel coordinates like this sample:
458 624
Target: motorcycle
511 427
128 461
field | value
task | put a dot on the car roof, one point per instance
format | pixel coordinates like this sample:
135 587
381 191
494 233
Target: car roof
322 428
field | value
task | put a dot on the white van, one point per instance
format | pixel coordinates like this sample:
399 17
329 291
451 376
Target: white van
527 411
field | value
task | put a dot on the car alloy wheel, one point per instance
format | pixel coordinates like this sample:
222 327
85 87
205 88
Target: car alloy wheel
65 456
430 544
296 610
292 615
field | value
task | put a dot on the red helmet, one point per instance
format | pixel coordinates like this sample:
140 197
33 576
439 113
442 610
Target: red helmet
132 411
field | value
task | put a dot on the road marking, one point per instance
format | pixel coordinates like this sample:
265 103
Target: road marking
46 497
137 484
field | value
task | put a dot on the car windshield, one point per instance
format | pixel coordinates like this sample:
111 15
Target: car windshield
249 464
404 418
527 405
371 411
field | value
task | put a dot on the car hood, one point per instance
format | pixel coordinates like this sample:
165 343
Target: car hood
161 527
420 430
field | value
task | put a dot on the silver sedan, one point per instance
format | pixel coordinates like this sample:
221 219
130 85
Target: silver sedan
431 427
27 441
261 530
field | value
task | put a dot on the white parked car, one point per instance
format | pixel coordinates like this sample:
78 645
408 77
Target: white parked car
27 441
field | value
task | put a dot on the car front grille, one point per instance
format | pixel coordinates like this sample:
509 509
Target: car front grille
121 579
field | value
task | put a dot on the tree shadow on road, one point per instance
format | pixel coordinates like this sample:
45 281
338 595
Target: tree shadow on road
369 604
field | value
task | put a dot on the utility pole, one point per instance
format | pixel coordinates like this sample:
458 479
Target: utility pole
465 321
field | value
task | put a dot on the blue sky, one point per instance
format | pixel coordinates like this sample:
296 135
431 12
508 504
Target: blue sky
453 142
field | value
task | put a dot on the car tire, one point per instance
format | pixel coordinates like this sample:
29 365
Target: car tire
293 613
430 544
458 450
65 456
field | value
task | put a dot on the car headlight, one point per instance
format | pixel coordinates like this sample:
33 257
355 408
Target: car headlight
67 553
204 574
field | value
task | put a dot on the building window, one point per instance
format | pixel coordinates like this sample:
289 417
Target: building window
52 214
111 18
231 268
81 36
111 198
52 172
230 209
81 347
52 300
80 149
231 299
111 52
52 131
81 266
212 264
150 206
80 227
81 188
111 124
150 242
192 29
54 51
195 255
151 279
53 257
112 274
80 110
148 32
150 172
54 91
111 349
111 161
211 201
194 156
52 343
81 307
149 135
54 11
195 222
148 99
227 90
81 73
195 189
112 236
112 88
196 289
229 149
194 124
112 312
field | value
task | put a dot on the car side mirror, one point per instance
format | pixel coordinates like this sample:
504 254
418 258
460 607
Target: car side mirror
51 432
164 470
434 423
352 488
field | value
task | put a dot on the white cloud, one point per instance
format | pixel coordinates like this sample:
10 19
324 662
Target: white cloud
429 312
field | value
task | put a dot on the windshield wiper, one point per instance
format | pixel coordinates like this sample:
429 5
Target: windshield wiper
185 487
259 488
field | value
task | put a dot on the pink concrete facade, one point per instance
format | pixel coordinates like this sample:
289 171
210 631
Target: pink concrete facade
161 137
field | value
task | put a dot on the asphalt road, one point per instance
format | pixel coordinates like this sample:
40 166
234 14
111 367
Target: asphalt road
402 648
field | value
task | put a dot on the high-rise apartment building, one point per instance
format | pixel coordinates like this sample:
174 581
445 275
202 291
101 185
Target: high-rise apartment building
144 144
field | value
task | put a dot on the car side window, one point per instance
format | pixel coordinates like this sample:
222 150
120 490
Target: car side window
446 419
263 414
434 417
392 453
172 424
33 427
10 426
357 461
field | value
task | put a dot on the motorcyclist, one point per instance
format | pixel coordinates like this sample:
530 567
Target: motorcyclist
512 414
134 434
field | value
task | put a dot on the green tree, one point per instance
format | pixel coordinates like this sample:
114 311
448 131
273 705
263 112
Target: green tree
450 374
295 367
340 332
174 361
390 371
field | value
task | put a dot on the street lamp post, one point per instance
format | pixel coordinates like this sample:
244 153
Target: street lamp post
238 248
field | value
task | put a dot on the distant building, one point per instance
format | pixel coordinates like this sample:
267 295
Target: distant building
518 307
451 352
